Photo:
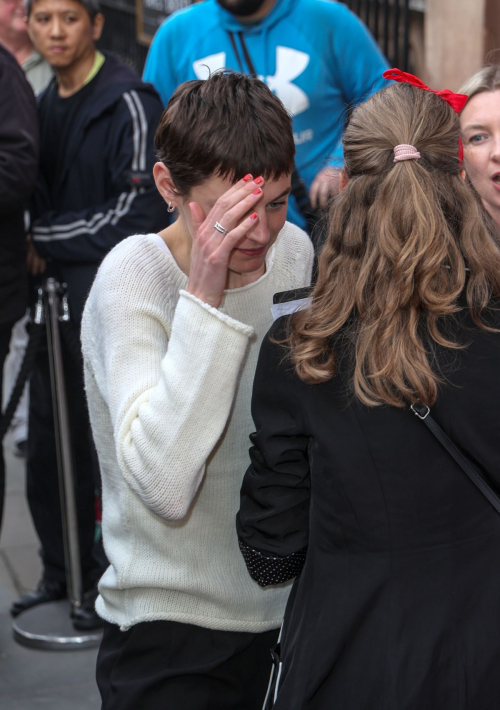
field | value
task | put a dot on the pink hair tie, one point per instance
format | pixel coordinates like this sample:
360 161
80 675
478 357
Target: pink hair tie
405 152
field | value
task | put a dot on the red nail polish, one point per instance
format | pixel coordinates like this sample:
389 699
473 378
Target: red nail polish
247 178
257 191
258 180
253 215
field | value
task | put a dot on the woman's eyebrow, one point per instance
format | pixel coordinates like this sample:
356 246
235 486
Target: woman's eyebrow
285 192
475 127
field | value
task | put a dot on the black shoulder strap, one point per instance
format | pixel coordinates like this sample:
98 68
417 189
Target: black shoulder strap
423 413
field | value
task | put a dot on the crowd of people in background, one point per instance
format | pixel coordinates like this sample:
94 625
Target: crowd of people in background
181 210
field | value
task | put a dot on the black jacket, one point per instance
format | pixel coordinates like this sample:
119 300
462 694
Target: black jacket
105 191
397 604
18 168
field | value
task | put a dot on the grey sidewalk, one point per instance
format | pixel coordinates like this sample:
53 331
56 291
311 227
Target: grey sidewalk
31 679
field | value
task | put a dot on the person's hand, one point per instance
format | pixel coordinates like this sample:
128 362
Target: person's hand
36 264
325 185
211 249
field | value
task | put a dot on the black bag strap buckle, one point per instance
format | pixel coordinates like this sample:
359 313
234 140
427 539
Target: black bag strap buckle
423 412
420 410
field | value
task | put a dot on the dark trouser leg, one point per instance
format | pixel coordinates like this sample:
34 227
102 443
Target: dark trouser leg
166 665
42 476
5 331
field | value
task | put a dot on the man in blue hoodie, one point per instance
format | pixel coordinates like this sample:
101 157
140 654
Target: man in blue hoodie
316 55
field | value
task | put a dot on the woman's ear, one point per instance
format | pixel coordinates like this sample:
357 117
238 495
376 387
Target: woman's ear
165 185
463 174
343 179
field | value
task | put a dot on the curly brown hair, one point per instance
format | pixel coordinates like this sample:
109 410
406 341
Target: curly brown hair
400 238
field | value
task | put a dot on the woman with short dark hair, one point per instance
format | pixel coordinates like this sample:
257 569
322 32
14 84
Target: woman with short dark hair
171 333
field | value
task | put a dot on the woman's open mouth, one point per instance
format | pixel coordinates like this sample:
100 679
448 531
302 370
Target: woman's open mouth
495 179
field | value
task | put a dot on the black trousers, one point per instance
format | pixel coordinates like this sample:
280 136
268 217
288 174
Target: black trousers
166 665
5 333
42 476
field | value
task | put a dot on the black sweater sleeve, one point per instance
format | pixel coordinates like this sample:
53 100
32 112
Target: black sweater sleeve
18 136
273 520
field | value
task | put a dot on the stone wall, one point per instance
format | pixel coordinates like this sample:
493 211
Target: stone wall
458 37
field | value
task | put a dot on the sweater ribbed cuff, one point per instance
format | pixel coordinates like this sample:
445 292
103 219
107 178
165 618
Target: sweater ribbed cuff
231 322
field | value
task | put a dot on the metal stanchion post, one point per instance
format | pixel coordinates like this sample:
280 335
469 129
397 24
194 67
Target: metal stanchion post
49 625
63 444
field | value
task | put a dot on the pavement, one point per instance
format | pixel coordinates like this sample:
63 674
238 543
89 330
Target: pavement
33 679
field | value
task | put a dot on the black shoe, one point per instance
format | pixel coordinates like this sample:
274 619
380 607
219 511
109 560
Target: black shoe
48 590
86 618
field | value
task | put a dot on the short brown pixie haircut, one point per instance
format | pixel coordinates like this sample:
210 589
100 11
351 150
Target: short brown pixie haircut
227 125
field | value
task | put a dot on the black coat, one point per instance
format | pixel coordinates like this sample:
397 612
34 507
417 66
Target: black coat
18 169
397 606
105 190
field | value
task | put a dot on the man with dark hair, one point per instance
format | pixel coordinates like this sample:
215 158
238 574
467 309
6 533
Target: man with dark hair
18 168
97 123
315 55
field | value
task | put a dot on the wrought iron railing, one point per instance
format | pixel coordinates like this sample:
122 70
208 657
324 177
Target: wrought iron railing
389 22
120 33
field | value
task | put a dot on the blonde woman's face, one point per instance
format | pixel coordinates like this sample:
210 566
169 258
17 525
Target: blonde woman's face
480 123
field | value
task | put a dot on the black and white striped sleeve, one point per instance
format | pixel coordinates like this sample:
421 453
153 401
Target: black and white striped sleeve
132 203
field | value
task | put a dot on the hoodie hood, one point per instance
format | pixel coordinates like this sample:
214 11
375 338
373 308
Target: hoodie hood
229 22
114 79
111 82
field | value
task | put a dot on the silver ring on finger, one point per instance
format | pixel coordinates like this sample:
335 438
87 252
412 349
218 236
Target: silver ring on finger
218 226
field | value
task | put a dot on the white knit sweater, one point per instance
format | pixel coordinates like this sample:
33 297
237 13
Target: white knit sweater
169 382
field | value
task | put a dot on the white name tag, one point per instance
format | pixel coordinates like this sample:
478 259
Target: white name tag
289 307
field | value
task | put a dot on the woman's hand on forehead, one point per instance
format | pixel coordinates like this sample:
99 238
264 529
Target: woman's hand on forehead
217 234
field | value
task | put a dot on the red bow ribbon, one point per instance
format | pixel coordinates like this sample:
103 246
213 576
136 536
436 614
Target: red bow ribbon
456 101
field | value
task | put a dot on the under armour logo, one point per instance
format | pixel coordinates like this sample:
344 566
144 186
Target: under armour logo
203 68
290 63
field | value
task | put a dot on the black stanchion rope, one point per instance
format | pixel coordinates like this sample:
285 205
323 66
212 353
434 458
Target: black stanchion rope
71 338
37 331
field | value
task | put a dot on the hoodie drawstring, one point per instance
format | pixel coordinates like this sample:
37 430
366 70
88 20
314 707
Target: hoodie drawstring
248 59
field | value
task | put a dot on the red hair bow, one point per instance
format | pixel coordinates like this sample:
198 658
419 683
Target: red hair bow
456 101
